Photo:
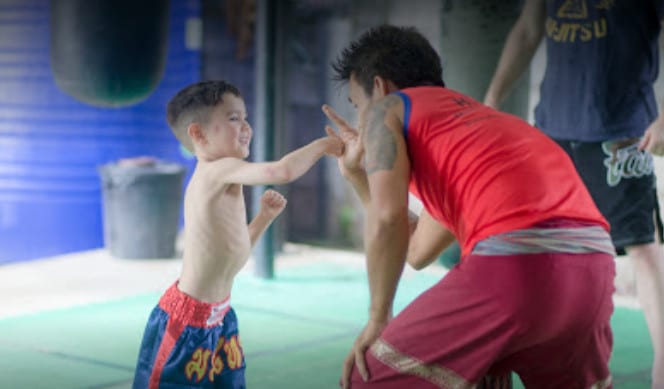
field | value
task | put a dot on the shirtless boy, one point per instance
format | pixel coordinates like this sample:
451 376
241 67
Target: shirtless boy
191 338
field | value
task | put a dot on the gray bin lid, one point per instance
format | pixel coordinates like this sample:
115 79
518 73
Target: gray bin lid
126 171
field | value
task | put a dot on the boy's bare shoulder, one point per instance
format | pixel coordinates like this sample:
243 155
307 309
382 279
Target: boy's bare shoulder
220 169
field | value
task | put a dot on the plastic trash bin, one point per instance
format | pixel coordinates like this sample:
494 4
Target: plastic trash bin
142 200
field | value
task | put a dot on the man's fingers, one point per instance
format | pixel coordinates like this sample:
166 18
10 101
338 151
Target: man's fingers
361 364
345 135
330 131
346 131
348 135
347 370
334 117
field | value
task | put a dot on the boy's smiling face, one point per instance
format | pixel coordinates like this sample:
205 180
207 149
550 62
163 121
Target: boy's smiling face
227 131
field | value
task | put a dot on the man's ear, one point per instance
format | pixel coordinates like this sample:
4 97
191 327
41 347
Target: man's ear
195 132
383 87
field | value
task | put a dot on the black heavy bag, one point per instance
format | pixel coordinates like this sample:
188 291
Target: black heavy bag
108 53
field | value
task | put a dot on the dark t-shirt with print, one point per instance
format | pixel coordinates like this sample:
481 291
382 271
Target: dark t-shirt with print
602 62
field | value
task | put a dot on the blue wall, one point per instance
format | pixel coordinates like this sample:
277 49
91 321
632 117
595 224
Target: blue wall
51 145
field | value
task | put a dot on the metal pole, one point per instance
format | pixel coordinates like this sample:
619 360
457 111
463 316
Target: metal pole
264 122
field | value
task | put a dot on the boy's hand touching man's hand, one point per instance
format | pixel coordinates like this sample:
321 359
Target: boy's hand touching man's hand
351 163
272 203
334 145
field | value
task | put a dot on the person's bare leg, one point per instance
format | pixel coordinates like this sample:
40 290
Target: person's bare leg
649 273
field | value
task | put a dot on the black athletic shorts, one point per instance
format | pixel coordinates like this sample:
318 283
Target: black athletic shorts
621 181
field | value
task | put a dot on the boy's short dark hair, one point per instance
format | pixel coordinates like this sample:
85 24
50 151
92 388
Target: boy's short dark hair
399 54
193 104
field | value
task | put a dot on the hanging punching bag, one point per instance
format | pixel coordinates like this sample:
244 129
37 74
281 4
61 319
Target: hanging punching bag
108 53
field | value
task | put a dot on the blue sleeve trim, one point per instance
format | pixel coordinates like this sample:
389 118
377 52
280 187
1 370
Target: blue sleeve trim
406 112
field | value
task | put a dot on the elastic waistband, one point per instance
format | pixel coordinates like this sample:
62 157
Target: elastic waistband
193 312
586 239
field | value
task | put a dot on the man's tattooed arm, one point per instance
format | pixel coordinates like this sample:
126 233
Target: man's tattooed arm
379 140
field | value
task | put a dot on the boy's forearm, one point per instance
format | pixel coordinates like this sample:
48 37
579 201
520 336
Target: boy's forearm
257 227
298 162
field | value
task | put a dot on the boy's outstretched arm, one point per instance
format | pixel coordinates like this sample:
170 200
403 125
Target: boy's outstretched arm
289 168
272 204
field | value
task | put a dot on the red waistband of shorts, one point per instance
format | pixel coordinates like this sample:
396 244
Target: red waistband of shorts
193 312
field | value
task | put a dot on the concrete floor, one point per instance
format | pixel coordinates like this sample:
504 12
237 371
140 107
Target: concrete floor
95 276
85 278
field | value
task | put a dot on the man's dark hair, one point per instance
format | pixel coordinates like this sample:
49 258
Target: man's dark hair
398 54
193 105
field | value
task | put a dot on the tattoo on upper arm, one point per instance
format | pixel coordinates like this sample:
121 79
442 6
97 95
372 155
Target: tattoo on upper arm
380 145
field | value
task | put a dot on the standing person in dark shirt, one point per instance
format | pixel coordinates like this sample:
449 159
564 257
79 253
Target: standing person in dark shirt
598 102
